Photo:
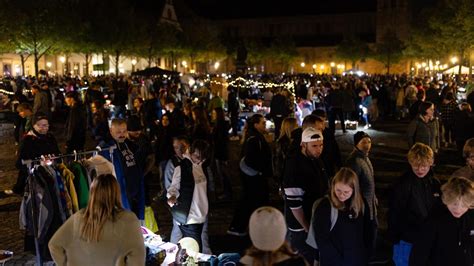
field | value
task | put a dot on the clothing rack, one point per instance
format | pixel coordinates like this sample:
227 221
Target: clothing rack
30 163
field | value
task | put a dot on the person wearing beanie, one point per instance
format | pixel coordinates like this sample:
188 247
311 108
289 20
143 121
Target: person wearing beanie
360 163
304 181
144 154
267 229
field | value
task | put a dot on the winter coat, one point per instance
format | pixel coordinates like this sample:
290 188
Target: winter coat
426 133
361 165
411 202
445 240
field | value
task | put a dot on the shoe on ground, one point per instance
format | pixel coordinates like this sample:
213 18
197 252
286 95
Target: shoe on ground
235 232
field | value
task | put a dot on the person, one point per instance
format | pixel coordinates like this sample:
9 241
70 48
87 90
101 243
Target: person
282 146
305 180
413 110
144 154
279 110
233 105
93 94
152 113
103 233
255 169
127 168
411 201
176 118
446 237
448 108
189 189
335 102
267 230
422 128
220 140
36 143
100 123
139 110
41 101
201 128
341 223
163 143
468 153
331 153
25 112
360 163
463 125
76 123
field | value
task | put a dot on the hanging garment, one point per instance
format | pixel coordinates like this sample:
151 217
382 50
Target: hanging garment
80 183
62 193
69 177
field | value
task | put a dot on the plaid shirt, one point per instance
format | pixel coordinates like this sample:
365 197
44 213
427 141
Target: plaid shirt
448 110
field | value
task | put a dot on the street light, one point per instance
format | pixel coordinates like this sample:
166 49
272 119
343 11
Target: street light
332 64
49 64
454 59
302 64
216 65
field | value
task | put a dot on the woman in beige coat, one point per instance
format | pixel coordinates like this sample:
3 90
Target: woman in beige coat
101 234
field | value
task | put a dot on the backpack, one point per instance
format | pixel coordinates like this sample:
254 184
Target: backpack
311 239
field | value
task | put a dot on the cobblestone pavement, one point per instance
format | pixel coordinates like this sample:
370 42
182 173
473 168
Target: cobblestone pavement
388 157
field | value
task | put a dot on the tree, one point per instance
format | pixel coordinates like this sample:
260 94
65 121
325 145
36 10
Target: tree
35 32
352 49
389 50
283 52
453 22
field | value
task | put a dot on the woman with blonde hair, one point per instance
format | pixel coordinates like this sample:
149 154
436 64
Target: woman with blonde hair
101 234
446 237
282 145
341 223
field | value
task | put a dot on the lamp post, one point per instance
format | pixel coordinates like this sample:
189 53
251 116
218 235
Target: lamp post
134 62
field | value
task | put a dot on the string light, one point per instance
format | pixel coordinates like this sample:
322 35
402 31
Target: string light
6 92
258 84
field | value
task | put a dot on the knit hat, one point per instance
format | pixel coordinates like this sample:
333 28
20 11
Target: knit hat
267 228
310 134
133 123
358 136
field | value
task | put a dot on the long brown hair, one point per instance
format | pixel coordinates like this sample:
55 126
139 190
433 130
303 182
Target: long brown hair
104 204
267 258
347 177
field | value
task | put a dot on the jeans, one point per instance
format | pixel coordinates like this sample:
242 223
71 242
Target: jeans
193 231
176 235
401 253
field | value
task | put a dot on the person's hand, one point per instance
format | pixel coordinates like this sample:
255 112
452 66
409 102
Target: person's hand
172 201
46 160
376 201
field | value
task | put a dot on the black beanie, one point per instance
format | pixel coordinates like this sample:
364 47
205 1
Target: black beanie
358 136
133 123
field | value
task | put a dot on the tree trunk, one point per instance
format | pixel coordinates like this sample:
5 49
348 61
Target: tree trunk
66 63
36 61
353 65
87 64
388 64
117 62
470 65
150 55
22 58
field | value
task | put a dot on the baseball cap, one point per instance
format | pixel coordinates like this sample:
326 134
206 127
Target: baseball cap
310 134
267 228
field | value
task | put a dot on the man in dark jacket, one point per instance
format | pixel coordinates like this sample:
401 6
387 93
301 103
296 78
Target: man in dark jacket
76 123
305 180
279 110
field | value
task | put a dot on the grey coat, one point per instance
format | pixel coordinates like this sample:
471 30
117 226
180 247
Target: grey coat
426 133
361 165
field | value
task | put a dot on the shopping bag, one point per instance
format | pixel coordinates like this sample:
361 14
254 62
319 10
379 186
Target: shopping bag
150 221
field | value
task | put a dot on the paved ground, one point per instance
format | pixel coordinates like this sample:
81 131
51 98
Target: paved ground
388 157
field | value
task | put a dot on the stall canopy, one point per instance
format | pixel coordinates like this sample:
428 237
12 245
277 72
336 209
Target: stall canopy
455 70
152 71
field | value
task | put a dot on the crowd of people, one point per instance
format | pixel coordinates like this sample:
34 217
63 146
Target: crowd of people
330 204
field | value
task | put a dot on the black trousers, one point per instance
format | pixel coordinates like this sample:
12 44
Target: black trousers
255 194
193 231
332 119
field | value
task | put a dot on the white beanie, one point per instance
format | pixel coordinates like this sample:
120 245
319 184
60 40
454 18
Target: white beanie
267 228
